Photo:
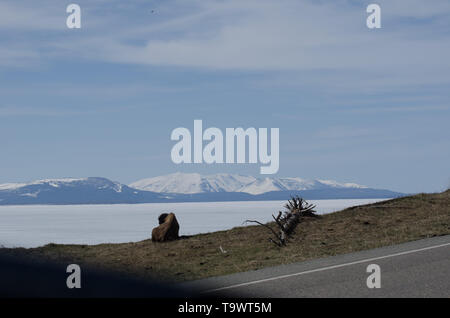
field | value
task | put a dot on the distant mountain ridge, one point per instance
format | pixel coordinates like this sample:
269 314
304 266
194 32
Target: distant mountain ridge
190 183
91 190
221 187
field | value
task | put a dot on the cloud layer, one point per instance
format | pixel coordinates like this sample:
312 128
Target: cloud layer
327 37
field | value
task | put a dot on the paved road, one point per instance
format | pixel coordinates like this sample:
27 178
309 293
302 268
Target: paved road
413 269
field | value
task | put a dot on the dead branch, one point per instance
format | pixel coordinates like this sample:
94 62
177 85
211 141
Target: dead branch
287 222
265 225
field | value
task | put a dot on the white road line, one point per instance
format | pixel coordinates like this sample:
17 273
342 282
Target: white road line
323 268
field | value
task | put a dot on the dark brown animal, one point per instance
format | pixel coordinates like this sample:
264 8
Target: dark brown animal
167 230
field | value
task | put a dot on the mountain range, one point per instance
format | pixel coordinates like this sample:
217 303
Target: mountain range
190 183
181 187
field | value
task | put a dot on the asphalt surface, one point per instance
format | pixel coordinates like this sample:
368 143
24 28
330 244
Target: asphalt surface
414 269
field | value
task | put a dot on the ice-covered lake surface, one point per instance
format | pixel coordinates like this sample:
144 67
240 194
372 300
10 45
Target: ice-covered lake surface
37 225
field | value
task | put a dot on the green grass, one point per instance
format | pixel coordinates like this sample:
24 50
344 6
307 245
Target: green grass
353 229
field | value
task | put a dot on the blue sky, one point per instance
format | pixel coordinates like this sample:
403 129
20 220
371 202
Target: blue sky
352 104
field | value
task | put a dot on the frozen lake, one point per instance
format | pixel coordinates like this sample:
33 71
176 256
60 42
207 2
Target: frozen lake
37 225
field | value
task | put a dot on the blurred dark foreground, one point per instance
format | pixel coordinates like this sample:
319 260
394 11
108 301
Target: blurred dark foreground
22 278
31 287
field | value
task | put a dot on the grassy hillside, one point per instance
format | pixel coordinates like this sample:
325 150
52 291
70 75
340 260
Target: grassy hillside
353 229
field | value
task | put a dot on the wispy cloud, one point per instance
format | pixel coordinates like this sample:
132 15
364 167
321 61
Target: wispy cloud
16 111
253 35
61 111
31 16
344 132
400 109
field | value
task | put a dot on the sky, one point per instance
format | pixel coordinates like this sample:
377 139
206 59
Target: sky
353 104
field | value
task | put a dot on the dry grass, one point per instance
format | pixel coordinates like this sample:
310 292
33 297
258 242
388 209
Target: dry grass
353 229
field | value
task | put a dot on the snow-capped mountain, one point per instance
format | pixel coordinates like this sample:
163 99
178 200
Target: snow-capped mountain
190 183
40 185
181 188
72 191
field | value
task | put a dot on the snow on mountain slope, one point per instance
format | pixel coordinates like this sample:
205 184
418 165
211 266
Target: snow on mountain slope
179 188
11 186
99 183
227 182
73 191
189 183
56 183
263 185
335 184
